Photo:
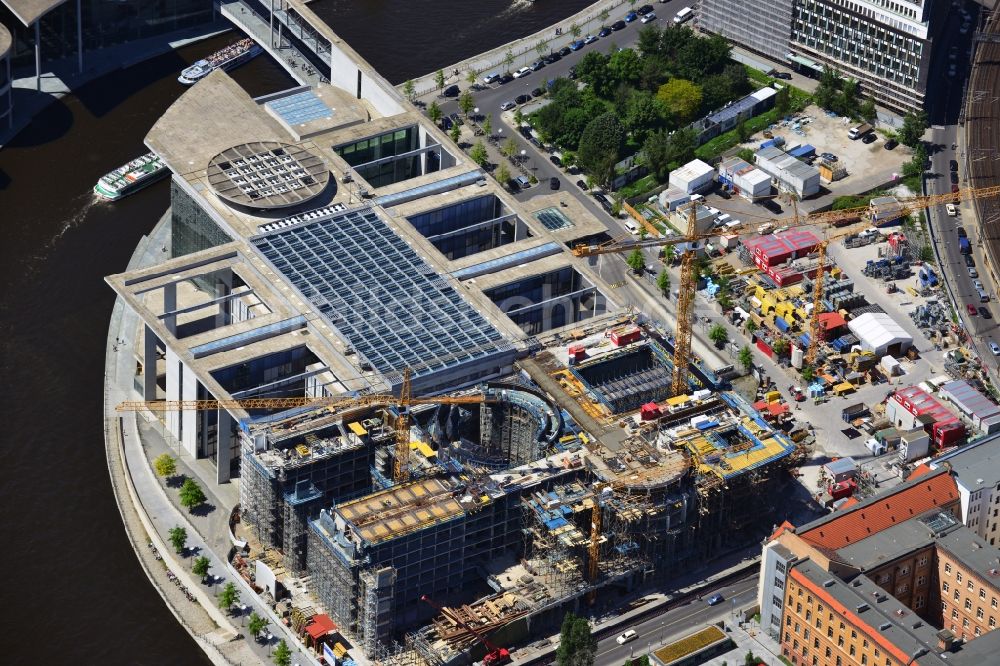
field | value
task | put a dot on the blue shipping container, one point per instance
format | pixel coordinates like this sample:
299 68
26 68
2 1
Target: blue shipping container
803 151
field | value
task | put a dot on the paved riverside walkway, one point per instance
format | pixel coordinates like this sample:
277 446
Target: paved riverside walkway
149 510
528 49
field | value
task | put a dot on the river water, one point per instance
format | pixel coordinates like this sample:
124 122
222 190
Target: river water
72 591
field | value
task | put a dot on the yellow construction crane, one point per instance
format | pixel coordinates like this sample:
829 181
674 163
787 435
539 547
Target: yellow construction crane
690 239
402 428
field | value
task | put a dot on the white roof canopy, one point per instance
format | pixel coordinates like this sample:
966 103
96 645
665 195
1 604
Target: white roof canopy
878 330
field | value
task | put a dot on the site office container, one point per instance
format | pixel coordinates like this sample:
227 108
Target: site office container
949 433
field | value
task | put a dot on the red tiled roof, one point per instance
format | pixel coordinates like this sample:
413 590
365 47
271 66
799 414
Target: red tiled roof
781 529
860 522
321 625
831 320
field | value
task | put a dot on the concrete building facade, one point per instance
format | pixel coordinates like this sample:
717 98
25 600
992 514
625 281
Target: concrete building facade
976 469
764 27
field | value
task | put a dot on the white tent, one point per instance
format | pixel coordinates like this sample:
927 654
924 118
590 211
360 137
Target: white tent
879 333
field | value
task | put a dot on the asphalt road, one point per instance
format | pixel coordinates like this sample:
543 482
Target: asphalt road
943 112
676 623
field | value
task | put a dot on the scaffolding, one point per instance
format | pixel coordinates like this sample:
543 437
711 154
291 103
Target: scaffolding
377 587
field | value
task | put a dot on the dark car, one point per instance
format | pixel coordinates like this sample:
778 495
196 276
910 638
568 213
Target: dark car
984 313
582 184
572 72
782 75
969 261
869 138
576 46
645 9
537 92
522 99
555 160
954 188
456 119
725 194
962 232
451 91
716 599
551 58
953 165
605 31
564 51
954 178
553 183
537 65
890 144
631 16
506 78
446 123
525 131
772 206
603 200
618 25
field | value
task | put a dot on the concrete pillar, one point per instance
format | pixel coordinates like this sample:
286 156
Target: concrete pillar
79 36
169 305
225 442
149 365
189 417
38 56
174 378
270 16
223 287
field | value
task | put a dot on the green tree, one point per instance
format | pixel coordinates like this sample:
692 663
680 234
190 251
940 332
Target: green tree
192 495
434 112
518 117
201 567
605 14
750 659
455 132
719 335
600 145
478 154
409 89
470 77
574 30
439 79
916 165
626 66
165 465
502 174
663 282
577 647
228 597
681 97
751 326
594 71
781 347
849 96
808 373
827 93
636 260
669 254
867 111
256 624
745 357
643 114
508 59
742 131
783 100
540 49
509 148
178 537
488 124
745 154
665 152
914 126
282 655
466 103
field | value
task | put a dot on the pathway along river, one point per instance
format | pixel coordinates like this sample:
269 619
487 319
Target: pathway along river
72 591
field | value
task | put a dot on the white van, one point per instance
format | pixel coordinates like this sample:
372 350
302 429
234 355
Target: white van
684 15
952 211
632 226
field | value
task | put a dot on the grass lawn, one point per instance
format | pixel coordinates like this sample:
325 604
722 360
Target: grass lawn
641 186
720 144
690 644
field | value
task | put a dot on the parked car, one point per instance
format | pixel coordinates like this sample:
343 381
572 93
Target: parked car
962 233
523 182
724 193
631 16
450 91
971 309
973 273
565 51
589 39
619 25
954 177
603 200
522 99
648 18
869 138
537 92
577 45
978 285
506 78
716 599
782 75
953 165
986 314
456 119
553 183
954 188
772 206
537 65
969 260
551 58
555 160
446 123
524 71
645 9
582 184
995 348
890 144
507 106
604 32
491 78
829 157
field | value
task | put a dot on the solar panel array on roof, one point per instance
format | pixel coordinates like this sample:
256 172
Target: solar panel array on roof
300 108
392 306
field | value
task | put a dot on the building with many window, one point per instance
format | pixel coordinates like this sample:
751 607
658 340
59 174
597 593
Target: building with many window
976 470
893 580
884 44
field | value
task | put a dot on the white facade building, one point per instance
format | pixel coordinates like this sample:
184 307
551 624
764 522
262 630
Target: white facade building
789 173
694 176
